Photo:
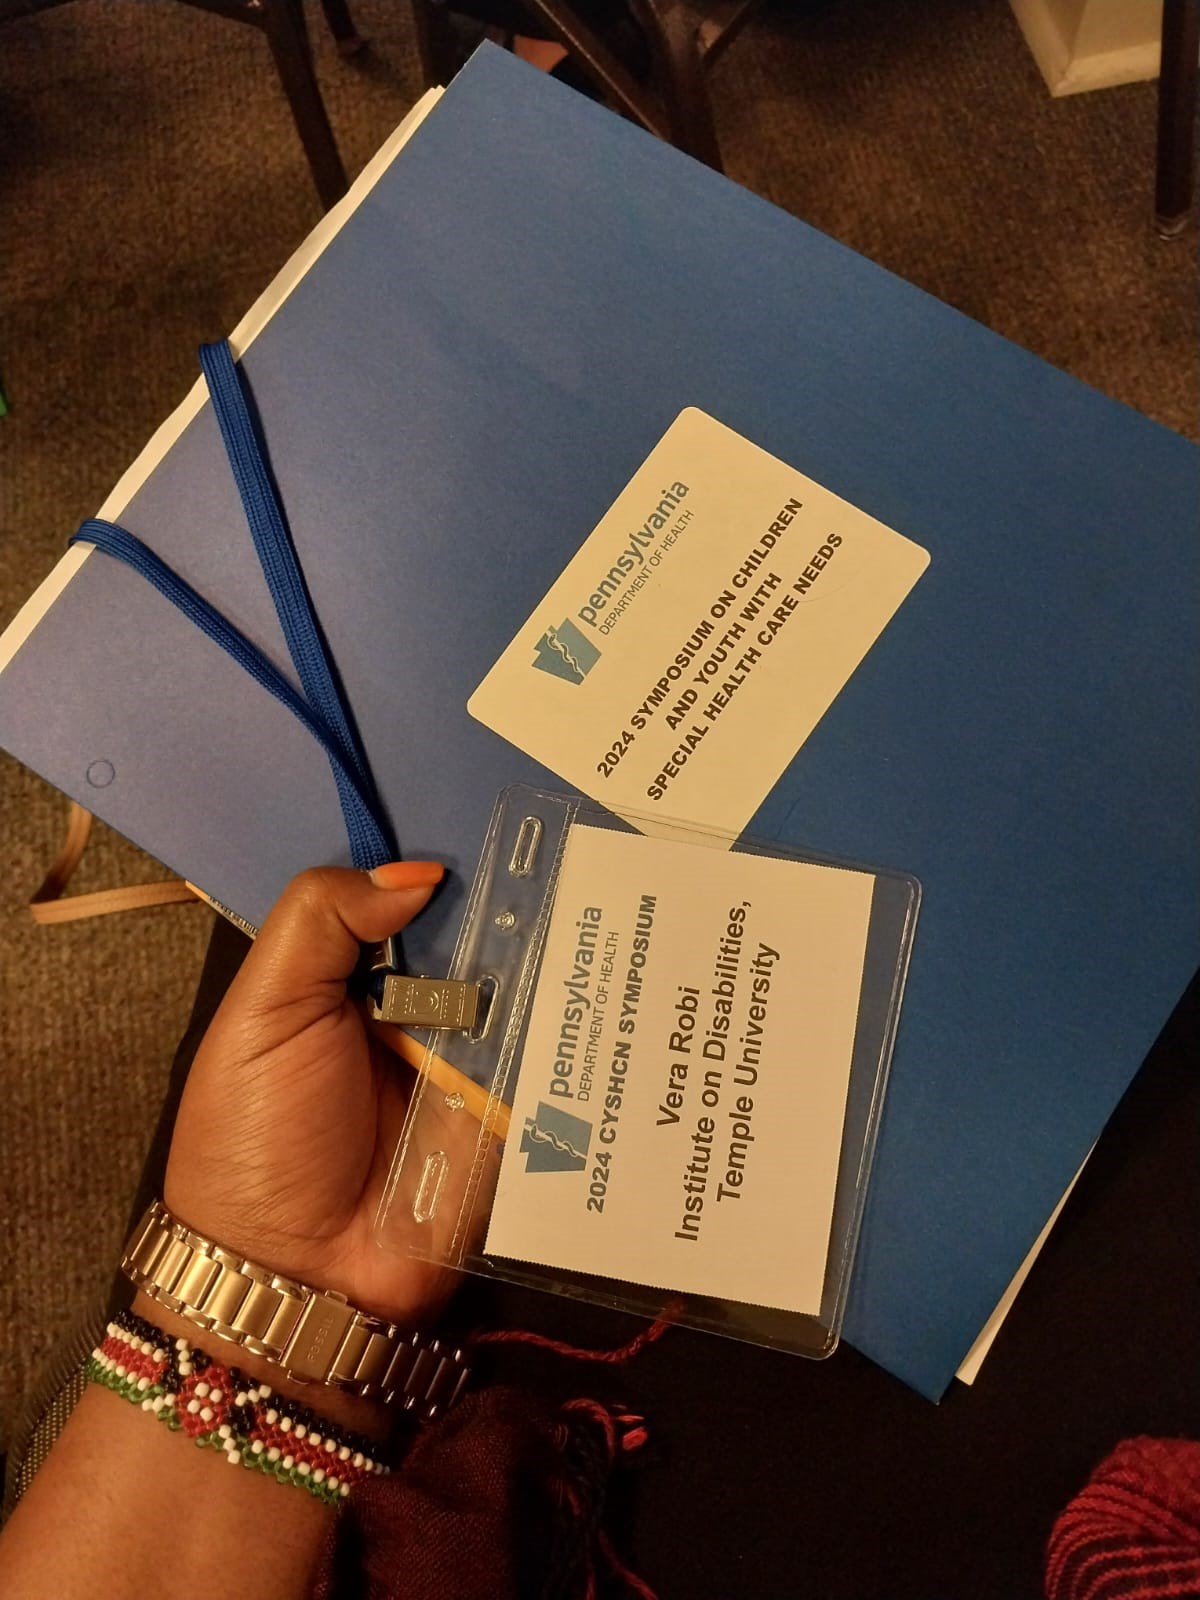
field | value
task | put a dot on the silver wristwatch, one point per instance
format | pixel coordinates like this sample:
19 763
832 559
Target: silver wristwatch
313 1335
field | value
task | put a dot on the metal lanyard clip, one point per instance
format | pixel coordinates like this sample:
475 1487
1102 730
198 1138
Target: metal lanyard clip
427 1002
420 1002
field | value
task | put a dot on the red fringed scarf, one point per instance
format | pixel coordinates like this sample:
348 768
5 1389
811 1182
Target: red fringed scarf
1134 1532
503 1499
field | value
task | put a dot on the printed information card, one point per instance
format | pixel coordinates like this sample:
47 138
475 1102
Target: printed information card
677 1119
701 632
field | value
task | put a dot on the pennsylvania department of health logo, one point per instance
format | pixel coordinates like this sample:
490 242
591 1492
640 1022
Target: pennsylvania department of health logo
565 653
555 1141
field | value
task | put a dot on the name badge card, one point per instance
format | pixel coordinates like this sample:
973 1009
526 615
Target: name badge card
682 1086
701 633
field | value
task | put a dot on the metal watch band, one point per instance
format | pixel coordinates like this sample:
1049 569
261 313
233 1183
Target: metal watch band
312 1334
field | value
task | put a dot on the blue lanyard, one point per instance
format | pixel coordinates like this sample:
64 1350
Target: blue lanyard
321 708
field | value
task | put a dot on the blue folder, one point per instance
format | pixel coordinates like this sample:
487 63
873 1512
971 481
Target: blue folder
453 396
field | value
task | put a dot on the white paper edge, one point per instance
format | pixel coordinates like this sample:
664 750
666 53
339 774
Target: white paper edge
976 1355
247 330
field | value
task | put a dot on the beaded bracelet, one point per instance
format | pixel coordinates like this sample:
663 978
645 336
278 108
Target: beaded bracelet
217 1405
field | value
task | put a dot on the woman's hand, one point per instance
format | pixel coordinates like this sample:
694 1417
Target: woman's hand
288 1124
293 1111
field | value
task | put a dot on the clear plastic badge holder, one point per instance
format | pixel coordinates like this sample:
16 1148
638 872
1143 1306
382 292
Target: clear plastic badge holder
442 1182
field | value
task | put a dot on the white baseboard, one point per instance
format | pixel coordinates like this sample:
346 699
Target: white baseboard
1067 73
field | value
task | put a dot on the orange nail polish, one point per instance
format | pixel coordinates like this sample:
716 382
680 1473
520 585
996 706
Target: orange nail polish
407 874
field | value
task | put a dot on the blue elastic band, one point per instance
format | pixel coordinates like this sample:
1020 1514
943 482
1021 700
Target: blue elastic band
323 712
277 554
368 843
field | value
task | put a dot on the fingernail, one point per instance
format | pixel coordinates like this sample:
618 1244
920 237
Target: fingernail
407 874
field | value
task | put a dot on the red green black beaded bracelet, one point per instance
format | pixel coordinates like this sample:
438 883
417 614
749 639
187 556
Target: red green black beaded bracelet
217 1405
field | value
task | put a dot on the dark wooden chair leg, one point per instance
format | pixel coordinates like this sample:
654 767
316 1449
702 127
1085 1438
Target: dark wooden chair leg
283 24
593 56
1176 116
679 67
341 26
437 47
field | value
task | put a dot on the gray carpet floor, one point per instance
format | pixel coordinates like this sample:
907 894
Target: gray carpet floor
151 183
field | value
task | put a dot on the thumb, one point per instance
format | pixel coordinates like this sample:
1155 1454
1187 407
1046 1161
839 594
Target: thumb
311 941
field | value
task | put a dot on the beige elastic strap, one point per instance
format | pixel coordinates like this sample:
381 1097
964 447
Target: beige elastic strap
48 905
